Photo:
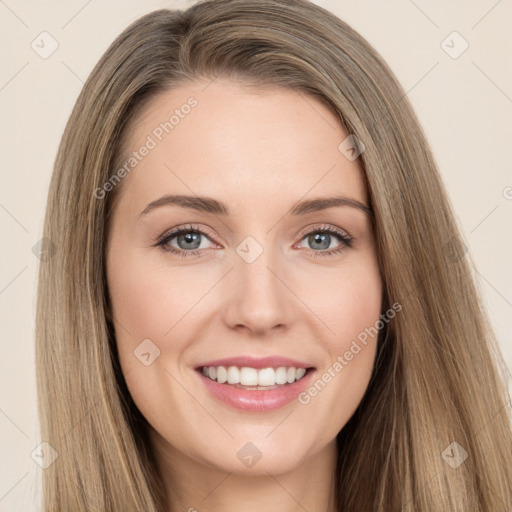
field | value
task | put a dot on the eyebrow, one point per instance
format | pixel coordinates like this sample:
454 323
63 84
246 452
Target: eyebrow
212 206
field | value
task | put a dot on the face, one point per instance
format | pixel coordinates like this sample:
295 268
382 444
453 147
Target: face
242 278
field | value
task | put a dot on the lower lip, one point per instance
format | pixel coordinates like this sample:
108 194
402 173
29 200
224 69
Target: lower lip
257 400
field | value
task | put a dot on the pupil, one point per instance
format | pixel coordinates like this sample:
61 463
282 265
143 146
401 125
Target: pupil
321 237
189 238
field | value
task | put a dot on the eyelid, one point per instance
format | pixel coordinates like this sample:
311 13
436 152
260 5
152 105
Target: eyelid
177 230
313 228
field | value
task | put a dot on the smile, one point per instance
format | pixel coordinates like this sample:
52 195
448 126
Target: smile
253 378
254 397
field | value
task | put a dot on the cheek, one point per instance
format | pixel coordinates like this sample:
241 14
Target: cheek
148 300
142 308
141 305
355 307
360 306
351 308
146 304
348 301
153 307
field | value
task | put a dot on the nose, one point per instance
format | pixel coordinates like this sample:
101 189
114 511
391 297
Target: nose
258 297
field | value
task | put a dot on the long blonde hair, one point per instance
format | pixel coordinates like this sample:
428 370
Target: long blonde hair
437 378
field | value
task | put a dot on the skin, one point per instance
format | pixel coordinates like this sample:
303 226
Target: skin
259 150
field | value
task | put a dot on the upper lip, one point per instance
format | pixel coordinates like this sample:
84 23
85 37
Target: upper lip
257 362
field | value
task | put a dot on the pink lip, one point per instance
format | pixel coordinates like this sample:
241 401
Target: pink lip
255 362
257 400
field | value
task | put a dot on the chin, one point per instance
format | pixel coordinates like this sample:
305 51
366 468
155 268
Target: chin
257 454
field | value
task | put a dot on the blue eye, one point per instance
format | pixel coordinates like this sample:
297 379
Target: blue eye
189 241
324 236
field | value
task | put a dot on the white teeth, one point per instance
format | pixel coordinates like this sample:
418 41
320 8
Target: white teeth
300 373
222 374
266 377
281 375
247 376
233 375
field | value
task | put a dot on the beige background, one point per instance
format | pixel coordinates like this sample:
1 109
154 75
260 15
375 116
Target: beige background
464 104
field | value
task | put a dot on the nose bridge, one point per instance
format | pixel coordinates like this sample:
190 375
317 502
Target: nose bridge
258 299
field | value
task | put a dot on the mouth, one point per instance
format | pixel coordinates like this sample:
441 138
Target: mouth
254 379
252 389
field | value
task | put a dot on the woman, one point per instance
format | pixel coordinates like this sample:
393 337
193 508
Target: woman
217 375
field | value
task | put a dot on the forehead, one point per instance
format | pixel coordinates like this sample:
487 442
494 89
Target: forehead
223 139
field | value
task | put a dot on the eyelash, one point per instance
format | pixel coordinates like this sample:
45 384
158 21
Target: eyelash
163 240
